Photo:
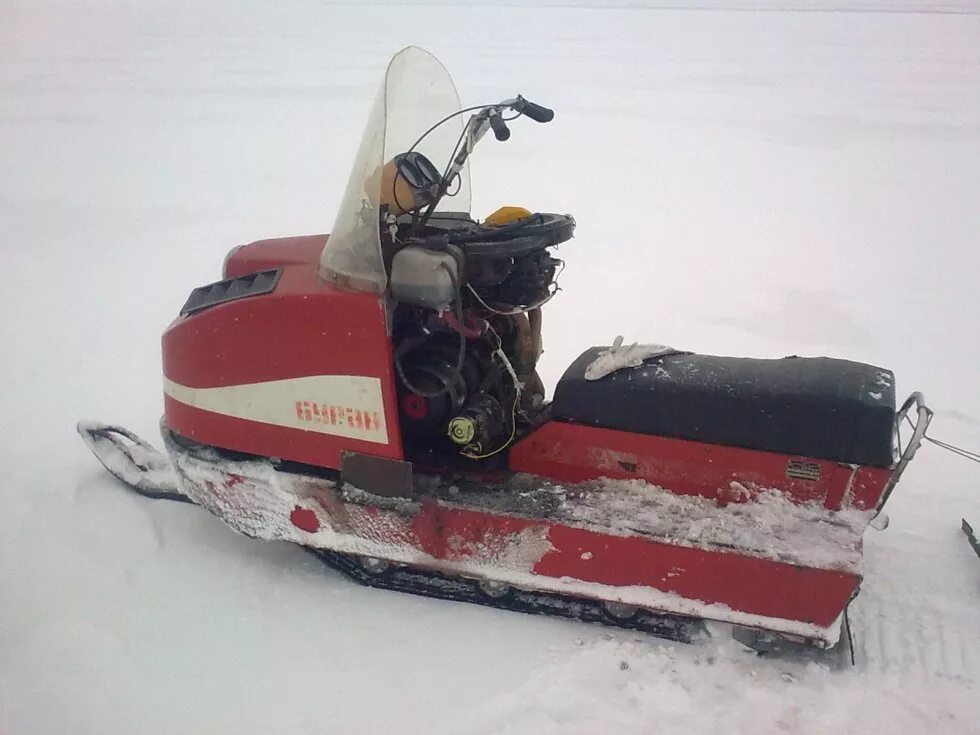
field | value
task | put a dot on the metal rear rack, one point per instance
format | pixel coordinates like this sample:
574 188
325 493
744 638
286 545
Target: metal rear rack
923 417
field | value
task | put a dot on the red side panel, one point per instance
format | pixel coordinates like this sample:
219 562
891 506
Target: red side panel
575 453
744 583
866 487
303 328
466 535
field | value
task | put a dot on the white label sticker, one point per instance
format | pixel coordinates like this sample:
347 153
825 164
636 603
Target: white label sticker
342 405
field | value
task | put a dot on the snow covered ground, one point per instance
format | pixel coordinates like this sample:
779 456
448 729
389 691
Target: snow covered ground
760 183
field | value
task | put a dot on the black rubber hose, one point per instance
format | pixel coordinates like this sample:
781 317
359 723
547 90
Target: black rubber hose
409 344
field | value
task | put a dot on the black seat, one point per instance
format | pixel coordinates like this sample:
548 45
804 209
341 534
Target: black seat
809 406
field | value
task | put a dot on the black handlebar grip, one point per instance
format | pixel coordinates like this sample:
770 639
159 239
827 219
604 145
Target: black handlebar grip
536 112
500 128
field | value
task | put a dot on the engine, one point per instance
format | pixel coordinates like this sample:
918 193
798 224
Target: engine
467 334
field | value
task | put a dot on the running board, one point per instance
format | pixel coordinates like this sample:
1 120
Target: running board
151 474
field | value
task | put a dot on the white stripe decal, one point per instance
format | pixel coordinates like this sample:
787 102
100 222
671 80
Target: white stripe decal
342 405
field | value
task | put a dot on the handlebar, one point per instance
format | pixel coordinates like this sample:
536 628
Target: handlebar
490 116
486 117
500 129
536 112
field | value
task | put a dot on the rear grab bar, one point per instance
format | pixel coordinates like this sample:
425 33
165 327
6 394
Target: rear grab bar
904 456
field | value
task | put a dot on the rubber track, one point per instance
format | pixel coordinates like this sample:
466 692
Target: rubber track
444 587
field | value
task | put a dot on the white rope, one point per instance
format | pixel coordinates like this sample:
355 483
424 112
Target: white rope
959 451
966 454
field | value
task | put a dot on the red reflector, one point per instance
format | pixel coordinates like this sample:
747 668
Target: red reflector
415 406
305 519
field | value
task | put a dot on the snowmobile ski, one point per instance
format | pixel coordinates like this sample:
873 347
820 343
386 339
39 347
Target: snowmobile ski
133 460
971 536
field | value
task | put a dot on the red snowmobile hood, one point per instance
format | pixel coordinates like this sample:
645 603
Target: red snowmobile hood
273 253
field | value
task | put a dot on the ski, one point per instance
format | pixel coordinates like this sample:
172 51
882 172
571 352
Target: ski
971 536
136 462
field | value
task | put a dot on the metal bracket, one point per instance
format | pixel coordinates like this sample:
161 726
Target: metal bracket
923 417
390 478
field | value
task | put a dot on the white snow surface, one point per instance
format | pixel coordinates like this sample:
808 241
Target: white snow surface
745 183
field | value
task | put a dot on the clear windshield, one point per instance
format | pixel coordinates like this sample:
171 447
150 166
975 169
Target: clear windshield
417 92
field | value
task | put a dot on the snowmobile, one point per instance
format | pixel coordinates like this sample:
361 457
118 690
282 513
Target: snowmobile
372 395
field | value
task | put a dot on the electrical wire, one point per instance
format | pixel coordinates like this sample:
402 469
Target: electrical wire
450 117
452 158
443 184
510 439
459 187
519 310
514 312
517 397
460 142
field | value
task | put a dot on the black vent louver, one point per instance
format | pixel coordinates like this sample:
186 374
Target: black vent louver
232 289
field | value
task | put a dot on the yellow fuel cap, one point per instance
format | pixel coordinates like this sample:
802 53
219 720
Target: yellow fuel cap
506 215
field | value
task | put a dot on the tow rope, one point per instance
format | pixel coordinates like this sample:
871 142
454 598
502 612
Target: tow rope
965 453
959 451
